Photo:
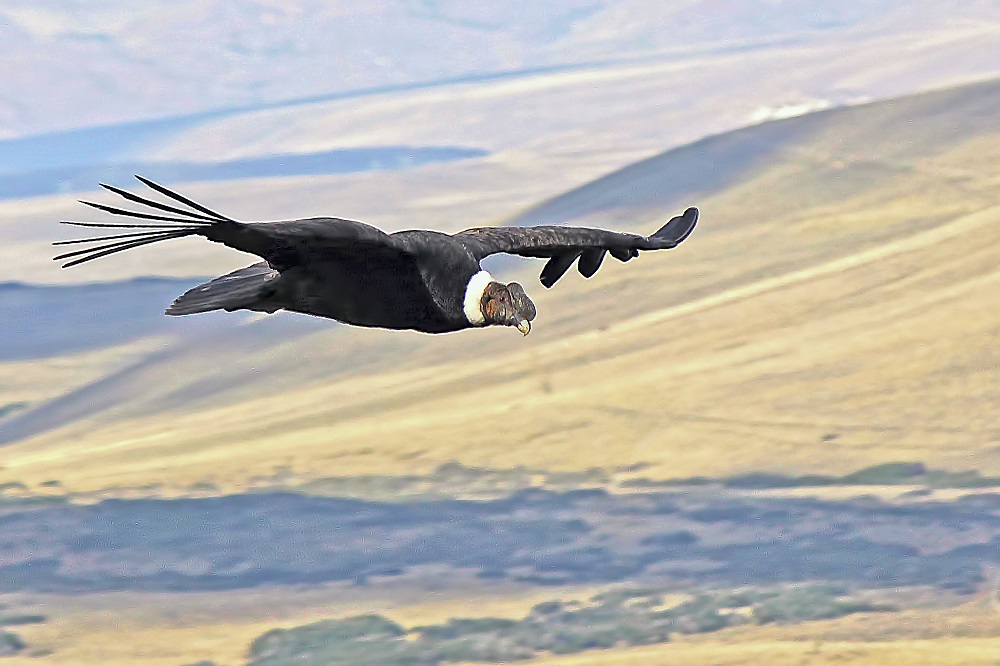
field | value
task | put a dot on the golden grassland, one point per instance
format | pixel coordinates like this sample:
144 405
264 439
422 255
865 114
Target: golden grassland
43 379
969 634
171 629
797 330
834 310
168 629
938 652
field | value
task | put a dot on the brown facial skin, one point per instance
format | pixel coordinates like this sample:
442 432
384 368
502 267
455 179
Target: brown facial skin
508 305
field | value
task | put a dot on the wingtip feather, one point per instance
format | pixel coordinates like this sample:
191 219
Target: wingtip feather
184 200
556 267
679 227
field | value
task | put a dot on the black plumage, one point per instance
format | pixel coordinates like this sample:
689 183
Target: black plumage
354 273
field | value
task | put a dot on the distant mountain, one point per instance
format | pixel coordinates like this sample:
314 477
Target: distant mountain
70 64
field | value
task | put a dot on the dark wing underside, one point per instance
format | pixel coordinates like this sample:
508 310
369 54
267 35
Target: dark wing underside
313 241
562 246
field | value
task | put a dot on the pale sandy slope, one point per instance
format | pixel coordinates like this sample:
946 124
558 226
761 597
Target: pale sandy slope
836 308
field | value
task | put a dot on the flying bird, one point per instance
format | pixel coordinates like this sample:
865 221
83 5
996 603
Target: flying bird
354 273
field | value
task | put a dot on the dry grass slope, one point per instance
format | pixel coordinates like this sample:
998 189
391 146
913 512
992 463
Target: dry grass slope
170 629
940 652
845 285
164 629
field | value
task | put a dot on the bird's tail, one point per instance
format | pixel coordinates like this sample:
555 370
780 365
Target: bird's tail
182 222
242 289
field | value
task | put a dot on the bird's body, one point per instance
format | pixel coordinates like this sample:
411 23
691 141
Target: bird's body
354 273
367 289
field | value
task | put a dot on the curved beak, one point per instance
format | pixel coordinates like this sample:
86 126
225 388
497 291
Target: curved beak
524 326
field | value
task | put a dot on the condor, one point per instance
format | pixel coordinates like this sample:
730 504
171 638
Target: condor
354 273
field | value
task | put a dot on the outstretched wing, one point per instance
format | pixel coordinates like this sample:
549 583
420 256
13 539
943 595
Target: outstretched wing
564 245
301 243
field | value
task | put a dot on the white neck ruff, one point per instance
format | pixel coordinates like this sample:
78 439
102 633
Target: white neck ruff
472 305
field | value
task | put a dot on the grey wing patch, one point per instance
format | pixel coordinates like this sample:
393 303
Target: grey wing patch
233 291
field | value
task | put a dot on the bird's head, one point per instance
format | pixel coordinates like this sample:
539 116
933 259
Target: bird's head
507 305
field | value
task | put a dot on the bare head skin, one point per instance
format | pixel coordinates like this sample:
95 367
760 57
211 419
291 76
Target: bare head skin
507 305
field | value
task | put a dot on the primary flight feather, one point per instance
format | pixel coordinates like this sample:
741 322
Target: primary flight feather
354 273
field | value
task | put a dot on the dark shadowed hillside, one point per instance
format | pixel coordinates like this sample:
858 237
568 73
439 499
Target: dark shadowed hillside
681 540
39 322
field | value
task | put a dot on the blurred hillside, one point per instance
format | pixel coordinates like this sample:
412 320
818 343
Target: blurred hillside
837 290
160 59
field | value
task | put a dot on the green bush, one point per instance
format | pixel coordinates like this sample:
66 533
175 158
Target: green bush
802 604
13 487
968 479
617 617
11 407
885 474
23 618
10 643
356 641
458 627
